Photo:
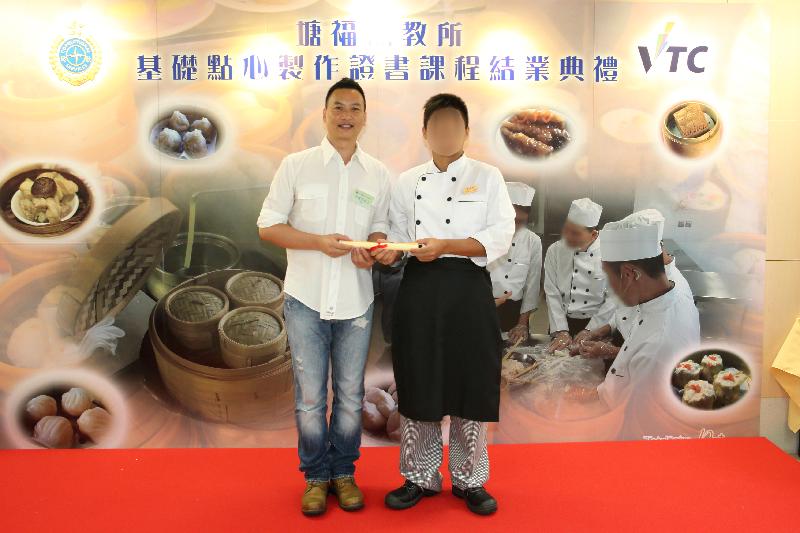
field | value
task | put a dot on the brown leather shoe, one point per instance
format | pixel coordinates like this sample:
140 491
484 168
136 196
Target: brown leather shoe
350 497
315 498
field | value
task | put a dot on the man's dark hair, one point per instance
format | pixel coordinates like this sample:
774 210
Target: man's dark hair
346 83
653 267
443 101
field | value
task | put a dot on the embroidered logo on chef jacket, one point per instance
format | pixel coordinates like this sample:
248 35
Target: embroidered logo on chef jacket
471 189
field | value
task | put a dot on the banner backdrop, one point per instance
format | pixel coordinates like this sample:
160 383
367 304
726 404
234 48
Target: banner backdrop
110 200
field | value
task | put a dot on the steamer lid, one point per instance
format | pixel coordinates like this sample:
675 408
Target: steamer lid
110 274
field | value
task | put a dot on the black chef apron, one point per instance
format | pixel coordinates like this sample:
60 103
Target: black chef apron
446 344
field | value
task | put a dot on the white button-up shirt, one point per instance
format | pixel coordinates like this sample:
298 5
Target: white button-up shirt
518 273
575 286
665 329
467 200
314 191
625 317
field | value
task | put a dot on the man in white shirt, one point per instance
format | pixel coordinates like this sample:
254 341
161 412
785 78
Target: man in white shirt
666 326
574 283
517 275
321 196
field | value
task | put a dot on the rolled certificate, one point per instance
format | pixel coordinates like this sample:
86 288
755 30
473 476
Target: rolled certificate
369 245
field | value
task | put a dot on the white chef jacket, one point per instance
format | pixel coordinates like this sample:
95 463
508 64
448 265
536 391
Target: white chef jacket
575 286
518 273
314 191
467 200
665 328
625 316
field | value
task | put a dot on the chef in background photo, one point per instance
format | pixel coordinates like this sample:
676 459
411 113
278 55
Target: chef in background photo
446 341
604 342
575 286
666 324
516 276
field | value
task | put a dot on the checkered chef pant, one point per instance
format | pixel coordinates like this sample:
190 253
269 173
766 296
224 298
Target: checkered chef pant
421 453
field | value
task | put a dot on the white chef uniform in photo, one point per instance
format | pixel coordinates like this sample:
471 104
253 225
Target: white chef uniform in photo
518 273
446 353
574 283
665 329
625 316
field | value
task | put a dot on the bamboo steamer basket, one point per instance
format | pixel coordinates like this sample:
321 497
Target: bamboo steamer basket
259 289
260 395
250 336
193 314
97 284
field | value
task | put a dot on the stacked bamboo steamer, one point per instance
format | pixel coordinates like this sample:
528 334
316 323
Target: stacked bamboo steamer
244 376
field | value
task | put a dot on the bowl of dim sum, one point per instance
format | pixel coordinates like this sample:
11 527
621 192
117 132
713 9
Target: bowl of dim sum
66 409
535 133
44 200
186 133
711 379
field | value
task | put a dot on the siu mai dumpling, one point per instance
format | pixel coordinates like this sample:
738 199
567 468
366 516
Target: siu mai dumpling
178 122
169 141
195 144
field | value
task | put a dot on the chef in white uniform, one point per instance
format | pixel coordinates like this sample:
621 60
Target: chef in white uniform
624 317
666 326
517 275
574 283
446 340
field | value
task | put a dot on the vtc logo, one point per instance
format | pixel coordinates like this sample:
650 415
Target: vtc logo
661 46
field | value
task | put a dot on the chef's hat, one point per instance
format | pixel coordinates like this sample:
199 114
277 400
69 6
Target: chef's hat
584 212
520 193
630 239
648 216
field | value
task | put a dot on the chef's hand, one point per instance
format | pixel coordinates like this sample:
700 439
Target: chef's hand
431 249
560 341
519 333
330 245
597 350
582 334
361 258
500 301
384 256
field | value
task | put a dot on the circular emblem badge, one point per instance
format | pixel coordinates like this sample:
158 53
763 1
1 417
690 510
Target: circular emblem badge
75 57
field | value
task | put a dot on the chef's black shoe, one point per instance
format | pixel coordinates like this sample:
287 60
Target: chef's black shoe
407 496
478 500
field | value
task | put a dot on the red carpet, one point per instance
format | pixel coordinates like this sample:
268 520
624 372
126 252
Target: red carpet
702 485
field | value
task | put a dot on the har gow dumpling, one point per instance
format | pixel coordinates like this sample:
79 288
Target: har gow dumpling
178 122
94 423
169 140
29 344
195 144
54 432
76 400
40 407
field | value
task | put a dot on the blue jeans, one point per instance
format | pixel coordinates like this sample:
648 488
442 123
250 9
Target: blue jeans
327 451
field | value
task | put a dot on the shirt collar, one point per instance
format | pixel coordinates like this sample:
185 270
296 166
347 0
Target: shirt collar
328 152
660 303
455 167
